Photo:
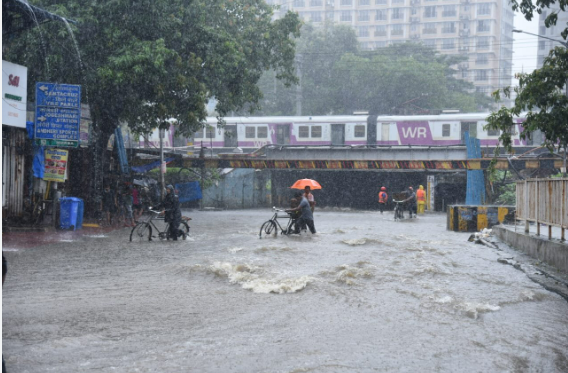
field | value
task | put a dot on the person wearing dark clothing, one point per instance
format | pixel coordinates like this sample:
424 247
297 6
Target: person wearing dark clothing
307 218
410 201
108 204
172 213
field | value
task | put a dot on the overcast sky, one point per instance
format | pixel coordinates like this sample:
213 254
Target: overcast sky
524 46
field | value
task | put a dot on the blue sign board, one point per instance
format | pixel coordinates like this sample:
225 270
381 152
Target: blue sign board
58 113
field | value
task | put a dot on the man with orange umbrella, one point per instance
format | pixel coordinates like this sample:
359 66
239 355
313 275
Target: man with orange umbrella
307 218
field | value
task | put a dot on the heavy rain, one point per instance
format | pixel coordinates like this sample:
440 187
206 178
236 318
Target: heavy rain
284 186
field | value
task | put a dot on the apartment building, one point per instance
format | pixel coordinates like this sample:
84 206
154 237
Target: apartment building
478 29
545 45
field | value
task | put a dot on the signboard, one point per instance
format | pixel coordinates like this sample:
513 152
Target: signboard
14 94
58 114
55 165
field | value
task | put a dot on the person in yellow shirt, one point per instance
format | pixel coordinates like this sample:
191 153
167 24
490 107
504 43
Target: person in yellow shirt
421 199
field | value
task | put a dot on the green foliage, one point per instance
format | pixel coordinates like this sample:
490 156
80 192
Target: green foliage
338 78
540 94
144 62
504 189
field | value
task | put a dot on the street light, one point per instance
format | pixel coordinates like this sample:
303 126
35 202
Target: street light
565 44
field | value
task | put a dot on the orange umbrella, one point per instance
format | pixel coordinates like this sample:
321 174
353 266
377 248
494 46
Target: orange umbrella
302 183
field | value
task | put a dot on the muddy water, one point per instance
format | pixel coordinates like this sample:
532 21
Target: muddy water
365 294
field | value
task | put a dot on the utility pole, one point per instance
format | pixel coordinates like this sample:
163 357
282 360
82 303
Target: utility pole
299 87
162 166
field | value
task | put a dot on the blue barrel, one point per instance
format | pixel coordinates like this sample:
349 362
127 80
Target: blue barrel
71 213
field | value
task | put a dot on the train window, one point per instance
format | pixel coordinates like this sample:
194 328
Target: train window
493 132
210 132
262 132
198 135
445 130
250 132
359 130
316 131
304 131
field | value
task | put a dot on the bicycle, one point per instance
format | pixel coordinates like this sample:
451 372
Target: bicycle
143 230
270 227
398 210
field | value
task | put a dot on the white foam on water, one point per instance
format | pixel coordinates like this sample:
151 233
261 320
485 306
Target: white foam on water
444 300
66 240
473 310
361 241
95 236
249 278
9 249
234 250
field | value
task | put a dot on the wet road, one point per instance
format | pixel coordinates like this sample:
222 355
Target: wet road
365 294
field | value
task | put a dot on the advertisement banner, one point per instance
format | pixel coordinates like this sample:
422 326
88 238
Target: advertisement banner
55 165
14 94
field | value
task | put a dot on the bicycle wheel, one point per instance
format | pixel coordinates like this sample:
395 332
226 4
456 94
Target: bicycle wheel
268 228
397 213
141 232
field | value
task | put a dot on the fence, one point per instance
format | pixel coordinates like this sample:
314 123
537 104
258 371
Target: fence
543 201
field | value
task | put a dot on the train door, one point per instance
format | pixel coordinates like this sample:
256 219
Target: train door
231 140
283 134
372 130
468 126
385 131
337 134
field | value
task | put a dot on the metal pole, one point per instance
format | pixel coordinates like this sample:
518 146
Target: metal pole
162 182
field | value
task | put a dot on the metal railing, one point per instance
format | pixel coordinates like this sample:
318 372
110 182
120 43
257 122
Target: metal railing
543 201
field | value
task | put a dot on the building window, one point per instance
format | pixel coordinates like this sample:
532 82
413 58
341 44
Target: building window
448 44
481 75
430 12
445 130
363 31
359 130
345 16
380 31
397 30
304 132
299 3
483 26
397 13
364 2
449 11
250 132
381 15
364 15
380 2
449 28
541 45
483 9
482 59
316 2
262 132
346 2
316 17
483 90
380 44
483 43
316 131
431 43
398 1
542 30
430 29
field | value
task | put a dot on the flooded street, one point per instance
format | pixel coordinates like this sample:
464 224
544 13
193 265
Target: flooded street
365 294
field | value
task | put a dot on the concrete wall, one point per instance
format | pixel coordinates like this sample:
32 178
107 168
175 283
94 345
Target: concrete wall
238 189
551 252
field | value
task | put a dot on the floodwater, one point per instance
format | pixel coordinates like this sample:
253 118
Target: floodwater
365 294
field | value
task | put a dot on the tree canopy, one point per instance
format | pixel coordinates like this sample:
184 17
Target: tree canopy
144 62
541 94
337 77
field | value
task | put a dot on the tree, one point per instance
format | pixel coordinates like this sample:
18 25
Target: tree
144 62
539 93
339 78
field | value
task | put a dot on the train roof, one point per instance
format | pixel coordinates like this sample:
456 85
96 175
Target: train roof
348 118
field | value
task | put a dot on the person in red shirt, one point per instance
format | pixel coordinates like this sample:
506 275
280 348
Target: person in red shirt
383 199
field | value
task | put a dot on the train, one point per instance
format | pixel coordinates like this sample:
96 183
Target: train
250 133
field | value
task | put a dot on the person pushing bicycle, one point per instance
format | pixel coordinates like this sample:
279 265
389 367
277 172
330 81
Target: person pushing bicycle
172 213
